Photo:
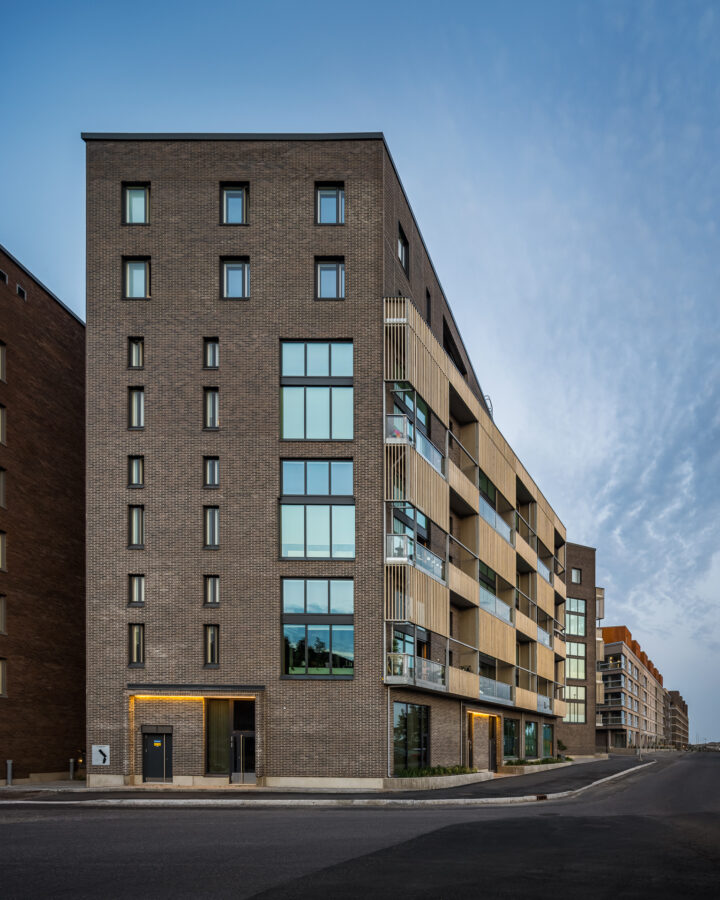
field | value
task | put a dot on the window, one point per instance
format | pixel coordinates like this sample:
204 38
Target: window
211 590
575 617
403 250
330 204
211 408
235 278
323 527
531 740
3 277
211 645
3 424
136 353
136 471
20 291
136 205
547 741
316 390
575 661
318 630
3 614
511 737
575 699
136 590
211 353
211 471
428 307
411 736
576 576
136 279
136 645
211 527
3 357
330 279
3 551
136 407
3 474
3 678
233 200
136 527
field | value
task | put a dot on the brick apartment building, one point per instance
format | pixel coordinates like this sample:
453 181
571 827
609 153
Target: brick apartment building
633 713
584 608
312 556
677 724
42 533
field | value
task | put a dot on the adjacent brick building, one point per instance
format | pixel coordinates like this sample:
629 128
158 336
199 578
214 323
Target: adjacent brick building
312 556
42 526
676 722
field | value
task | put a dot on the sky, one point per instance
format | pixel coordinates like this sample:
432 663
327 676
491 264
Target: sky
563 163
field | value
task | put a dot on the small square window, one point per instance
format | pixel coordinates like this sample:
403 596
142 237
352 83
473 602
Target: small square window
330 204
330 279
234 204
136 471
211 353
20 292
403 250
136 283
211 471
211 590
136 590
576 576
136 206
235 279
136 353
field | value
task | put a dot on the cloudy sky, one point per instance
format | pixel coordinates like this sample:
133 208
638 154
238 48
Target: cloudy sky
563 161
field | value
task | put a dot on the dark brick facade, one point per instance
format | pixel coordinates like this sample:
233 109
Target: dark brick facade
42 715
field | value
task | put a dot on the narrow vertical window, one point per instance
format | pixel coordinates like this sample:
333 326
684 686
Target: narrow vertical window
211 353
3 477
330 204
136 590
428 307
3 551
136 471
136 527
403 250
330 279
3 356
136 279
136 645
233 198
3 424
211 411
3 614
235 278
3 678
136 353
211 590
211 527
136 206
211 471
136 407
211 642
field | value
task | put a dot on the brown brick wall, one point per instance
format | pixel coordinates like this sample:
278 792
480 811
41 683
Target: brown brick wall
42 716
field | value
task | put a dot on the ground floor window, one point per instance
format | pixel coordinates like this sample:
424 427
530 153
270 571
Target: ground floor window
511 737
619 739
547 740
411 736
531 739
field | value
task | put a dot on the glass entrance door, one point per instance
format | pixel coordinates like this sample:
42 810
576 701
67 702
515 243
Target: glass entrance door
243 743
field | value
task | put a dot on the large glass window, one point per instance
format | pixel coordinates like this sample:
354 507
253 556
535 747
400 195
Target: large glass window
511 737
317 531
575 617
411 736
575 660
531 740
318 627
547 749
316 392
317 477
330 204
575 697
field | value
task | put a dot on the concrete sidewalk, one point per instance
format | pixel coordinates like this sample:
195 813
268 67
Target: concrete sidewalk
562 783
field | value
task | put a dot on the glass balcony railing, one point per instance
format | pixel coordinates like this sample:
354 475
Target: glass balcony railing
402 546
495 690
543 637
544 704
429 671
430 452
607 664
412 669
544 571
400 665
494 605
398 430
495 520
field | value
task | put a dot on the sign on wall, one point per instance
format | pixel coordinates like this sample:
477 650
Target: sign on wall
100 755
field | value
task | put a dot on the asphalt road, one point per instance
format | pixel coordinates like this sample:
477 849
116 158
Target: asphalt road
652 834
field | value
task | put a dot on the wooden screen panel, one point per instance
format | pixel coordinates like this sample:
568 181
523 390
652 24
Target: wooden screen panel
525 699
430 602
545 662
462 485
497 638
397 601
525 625
545 596
495 551
464 683
463 584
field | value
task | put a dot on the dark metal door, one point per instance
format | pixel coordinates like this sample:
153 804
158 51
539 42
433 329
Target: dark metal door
492 744
157 757
243 757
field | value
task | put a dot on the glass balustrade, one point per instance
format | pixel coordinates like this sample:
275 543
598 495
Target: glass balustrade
544 571
429 451
429 671
427 561
401 546
494 690
495 520
543 637
400 665
398 430
544 704
494 605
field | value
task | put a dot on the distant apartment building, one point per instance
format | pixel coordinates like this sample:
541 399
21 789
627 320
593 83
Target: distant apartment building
312 556
584 608
633 712
677 723
42 526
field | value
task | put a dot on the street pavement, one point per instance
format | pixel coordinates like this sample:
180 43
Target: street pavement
654 833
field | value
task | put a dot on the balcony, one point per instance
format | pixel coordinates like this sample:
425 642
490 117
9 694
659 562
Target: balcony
612 720
403 668
495 691
402 548
544 571
544 637
496 521
492 604
544 704
399 431
606 665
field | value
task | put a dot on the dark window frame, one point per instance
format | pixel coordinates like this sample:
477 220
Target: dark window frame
143 535
140 341
3 277
207 391
206 508
207 343
340 276
403 251
131 484
206 484
322 498
208 661
139 663
126 260
21 292
425 748
243 186
308 619
136 603
132 388
206 582
235 260
339 202
134 185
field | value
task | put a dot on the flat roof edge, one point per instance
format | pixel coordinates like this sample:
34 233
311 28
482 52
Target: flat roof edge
40 284
232 136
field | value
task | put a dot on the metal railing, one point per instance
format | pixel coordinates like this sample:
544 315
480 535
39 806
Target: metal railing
413 669
605 665
429 671
495 690
526 605
525 530
492 604
400 665
544 704
496 521
398 431
544 637
403 547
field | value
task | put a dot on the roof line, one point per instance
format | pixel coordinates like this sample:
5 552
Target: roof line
39 283
232 136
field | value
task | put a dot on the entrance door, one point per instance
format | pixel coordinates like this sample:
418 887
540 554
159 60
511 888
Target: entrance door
243 743
157 757
470 740
492 744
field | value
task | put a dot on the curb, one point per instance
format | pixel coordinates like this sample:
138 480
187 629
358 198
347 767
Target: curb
367 803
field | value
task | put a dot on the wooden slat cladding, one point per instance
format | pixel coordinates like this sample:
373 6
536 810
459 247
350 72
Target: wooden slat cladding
525 625
545 527
409 477
465 683
462 485
430 602
545 596
496 637
559 708
545 662
397 599
463 584
559 647
525 699
495 551
559 586
495 465
526 551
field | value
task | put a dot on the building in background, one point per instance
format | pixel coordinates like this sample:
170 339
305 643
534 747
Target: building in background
42 526
633 713
312 556
677 723
584 608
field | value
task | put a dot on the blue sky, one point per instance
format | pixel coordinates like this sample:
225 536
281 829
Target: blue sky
563 161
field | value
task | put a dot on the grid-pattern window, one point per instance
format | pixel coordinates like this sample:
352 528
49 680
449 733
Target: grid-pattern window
575 698
235 278
211 527
136 590
575 617
316 397
211 408
3 361
136 407
136 471
233 200
323 525
403 250
211 353
330 204
211 645
211 471
136 204
330 279
318 629
575 660
136 644
136 353
136 526
136 279
211 590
